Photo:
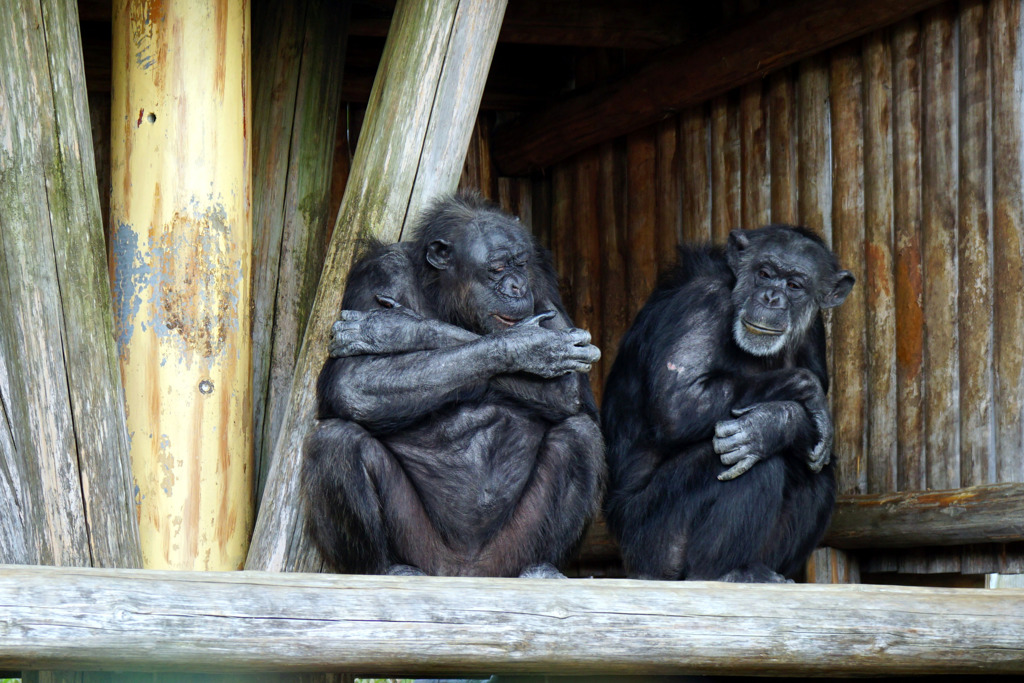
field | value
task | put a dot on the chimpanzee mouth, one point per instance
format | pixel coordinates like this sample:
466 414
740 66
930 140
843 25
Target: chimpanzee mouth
759 329
505 320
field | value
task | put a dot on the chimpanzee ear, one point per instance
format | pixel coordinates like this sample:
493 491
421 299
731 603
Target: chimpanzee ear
843 284
738 241
438 253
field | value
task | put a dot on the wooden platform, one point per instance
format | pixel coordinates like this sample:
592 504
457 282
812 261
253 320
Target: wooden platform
101 619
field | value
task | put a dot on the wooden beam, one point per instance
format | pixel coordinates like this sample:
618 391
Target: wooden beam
137 620
690 74
979 514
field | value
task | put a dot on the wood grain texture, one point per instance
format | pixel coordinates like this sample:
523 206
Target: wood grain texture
63 443
431 77
992 513
939 247
755 180
782 130
615 314
814 172
689 74
641 217
696 172
878 281
906 56
255 622
586 264
974 251
1006 25
295 117
848 321
726 189
667 192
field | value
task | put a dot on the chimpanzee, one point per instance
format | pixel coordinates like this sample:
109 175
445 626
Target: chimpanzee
718 431
457 434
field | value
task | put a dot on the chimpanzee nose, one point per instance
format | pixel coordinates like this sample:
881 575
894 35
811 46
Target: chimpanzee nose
773 298
515 287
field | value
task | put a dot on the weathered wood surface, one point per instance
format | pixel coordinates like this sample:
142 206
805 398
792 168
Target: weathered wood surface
181 251
979 514
877 281
251 622
814 172
848 321
431 78
299 58
65 481
1007 45
690 74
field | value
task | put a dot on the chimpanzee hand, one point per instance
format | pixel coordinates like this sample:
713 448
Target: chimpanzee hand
756 433
528 347
817 408
392 329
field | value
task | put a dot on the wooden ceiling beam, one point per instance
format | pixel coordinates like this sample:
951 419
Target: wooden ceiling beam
689 74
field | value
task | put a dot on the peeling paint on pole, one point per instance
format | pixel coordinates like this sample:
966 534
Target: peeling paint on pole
180 269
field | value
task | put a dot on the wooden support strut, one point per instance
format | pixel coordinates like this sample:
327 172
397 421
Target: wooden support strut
259 622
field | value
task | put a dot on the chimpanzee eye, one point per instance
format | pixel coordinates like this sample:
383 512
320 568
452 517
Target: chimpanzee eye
497 269
763 274
794 285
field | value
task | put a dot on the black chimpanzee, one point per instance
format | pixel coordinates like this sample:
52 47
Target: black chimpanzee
457 432
718 430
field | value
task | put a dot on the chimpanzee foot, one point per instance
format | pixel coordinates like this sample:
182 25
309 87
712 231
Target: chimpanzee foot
755 574
544 570
404 570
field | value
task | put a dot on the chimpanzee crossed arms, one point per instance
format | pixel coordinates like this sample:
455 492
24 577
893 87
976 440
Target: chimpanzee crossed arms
718 430
457 433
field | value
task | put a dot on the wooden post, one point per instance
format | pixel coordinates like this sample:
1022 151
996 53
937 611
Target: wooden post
299 60
432 75
725 168
909 275
180 262
696 190
878 265
65 485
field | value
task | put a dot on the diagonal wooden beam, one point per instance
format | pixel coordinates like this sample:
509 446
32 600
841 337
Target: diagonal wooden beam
690 74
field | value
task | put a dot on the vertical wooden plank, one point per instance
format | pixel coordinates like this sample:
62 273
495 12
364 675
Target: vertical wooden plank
878 284
782 116
696 200
755 203
668 192
828 565
814 172
848 329
906 60
642 263
433 70
478 171
974 251
725 168
586 260
63 445
288 264
563 229
1006 28
611 195
541 209
938 242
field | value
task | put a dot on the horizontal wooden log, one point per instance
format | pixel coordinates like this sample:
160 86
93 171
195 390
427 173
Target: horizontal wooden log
979 514
141 620
689 74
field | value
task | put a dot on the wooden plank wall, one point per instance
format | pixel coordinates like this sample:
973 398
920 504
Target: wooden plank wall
903 149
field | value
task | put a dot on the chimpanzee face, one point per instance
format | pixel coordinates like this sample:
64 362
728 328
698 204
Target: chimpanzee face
487 273
783 278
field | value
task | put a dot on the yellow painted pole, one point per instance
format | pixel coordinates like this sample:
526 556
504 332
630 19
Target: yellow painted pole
180 266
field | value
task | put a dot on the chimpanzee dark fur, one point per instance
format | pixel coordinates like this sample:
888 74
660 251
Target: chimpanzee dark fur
717 425
457 433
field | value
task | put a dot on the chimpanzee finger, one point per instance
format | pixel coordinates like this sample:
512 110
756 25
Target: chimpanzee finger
728 428
536 319
743 411
587 353
349 316
738 469
728 444
387 301
579 337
